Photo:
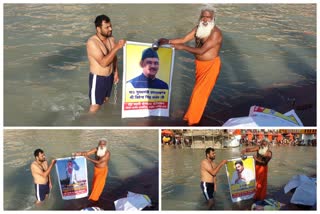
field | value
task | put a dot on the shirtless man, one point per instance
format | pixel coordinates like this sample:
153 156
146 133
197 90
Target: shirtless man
102 49
101 160
262 158
208 39
209 170
41 175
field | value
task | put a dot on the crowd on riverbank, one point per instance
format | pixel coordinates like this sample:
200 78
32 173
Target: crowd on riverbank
279 137
291 137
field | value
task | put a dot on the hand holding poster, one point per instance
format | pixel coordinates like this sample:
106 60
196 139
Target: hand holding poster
72 177
241 178
146 80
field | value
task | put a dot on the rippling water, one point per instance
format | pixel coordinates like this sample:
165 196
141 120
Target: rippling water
266 46
181 176
133 165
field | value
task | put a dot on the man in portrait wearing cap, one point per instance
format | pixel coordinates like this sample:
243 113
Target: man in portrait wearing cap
150 66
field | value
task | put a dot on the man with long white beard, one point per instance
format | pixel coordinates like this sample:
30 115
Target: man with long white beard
101 160
208 39
262 158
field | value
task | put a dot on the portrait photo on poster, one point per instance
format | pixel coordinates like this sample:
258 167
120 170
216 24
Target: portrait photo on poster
241 178
147 74
72 176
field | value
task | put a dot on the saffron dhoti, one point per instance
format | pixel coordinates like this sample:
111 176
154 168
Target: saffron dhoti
261 182
207 73
99 180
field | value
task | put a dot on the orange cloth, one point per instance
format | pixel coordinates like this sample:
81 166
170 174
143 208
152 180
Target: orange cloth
261 182
290 136
237 132
207 73
270 136
99 180
280 137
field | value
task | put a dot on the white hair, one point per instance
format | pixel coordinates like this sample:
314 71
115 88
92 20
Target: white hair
204 31
101 151
104 140
210 9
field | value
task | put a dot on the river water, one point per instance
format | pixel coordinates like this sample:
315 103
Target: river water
268 56
181 176
133 165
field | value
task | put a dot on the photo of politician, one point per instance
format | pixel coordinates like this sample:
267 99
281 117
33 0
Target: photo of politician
150 64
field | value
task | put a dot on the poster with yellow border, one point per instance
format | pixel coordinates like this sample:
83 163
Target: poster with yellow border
146 84
241 178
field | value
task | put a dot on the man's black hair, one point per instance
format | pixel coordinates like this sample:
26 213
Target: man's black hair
208 150
239 162
37 152
100 19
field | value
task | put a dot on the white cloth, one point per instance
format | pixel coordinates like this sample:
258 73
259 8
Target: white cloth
306 190
260 116
132 202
